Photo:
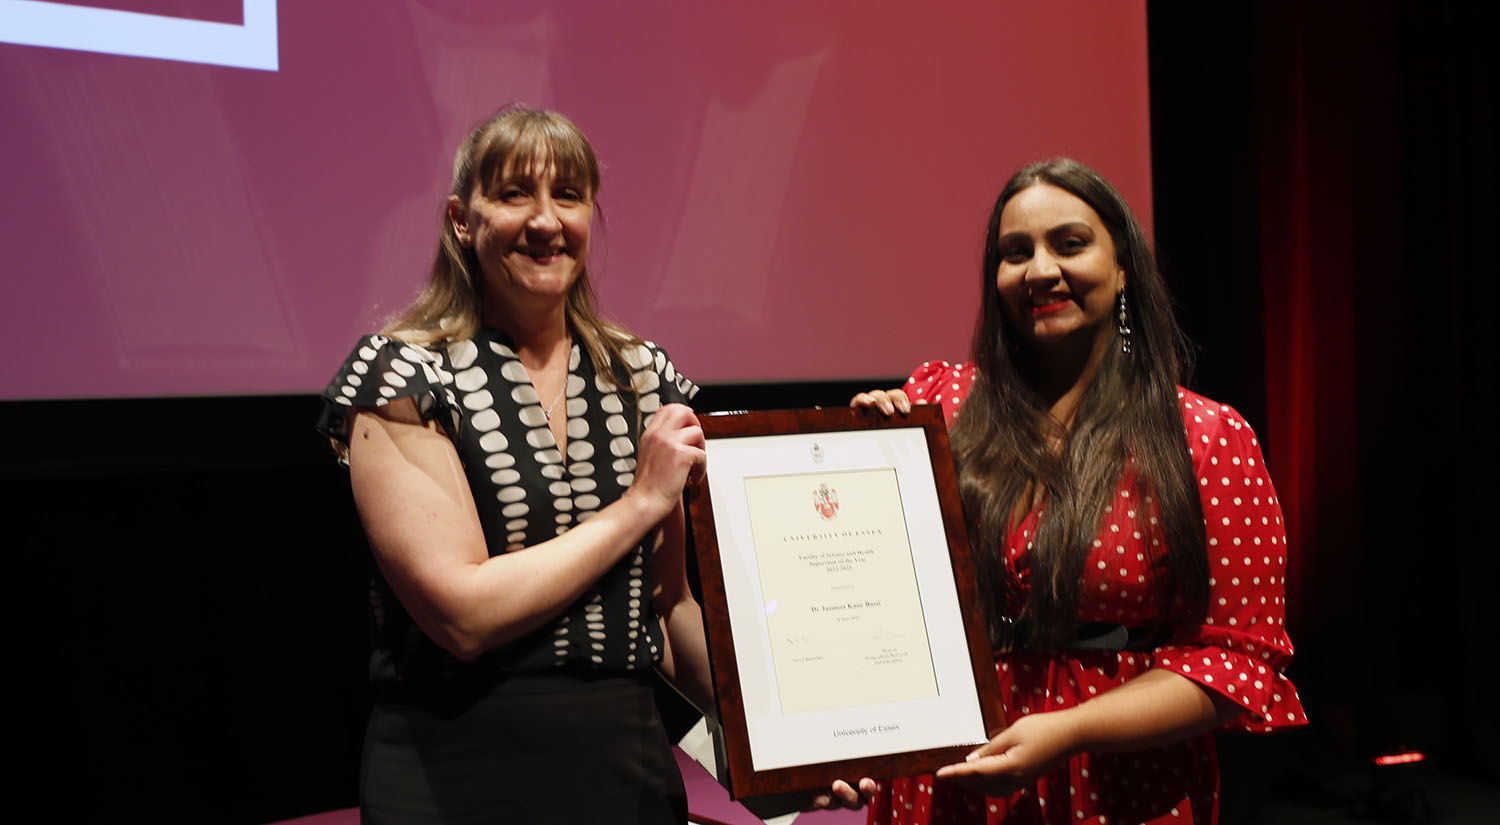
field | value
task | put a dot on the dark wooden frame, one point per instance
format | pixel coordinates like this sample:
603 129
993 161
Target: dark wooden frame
736 770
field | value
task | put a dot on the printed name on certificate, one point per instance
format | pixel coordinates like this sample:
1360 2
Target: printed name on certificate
842 607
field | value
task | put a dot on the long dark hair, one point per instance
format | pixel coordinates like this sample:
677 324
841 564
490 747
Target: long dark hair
1007 444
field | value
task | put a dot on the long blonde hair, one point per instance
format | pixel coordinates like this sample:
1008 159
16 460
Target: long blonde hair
451 305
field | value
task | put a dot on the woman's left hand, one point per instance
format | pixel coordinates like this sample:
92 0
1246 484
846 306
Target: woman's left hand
1017 756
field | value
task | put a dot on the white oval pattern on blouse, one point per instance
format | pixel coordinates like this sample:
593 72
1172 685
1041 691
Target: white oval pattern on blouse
574 499
485 420
539 436
534 417
461 354
470 379
493 443
479 400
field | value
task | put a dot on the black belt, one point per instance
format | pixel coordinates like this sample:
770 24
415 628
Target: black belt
1087 636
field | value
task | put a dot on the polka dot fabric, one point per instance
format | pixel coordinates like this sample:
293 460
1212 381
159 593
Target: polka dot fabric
527 488
1239 651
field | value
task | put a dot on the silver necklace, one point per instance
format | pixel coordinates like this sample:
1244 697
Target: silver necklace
550 407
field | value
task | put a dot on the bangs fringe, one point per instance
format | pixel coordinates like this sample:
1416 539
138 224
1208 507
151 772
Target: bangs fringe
538 143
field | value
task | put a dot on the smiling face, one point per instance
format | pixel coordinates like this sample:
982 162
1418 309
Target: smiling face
1058 275
529 231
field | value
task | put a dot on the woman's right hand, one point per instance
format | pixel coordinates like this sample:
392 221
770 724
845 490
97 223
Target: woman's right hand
672 453
889 401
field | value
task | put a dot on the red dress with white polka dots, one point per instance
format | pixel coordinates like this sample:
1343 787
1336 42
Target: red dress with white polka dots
1239 651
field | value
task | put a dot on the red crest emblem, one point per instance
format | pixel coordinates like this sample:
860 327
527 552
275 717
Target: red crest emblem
826 501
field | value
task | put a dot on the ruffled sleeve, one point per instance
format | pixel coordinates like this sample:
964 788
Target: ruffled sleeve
381 370
939 382
1241 650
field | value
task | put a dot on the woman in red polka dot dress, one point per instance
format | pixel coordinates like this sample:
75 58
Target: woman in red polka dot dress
1134 576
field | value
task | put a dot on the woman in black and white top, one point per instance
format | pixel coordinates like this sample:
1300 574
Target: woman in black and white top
518 464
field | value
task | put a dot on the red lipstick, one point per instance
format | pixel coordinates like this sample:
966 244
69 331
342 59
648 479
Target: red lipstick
1048 309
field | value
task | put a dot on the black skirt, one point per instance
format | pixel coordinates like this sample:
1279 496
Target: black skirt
552 748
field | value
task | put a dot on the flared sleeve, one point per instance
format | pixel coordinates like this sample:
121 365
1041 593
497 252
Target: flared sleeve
1241 649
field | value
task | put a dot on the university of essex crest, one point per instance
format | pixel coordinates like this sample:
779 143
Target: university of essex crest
826 501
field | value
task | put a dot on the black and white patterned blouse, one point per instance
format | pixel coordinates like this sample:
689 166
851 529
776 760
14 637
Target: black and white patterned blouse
525 489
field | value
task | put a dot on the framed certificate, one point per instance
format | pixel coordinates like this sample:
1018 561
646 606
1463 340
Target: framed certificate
844 624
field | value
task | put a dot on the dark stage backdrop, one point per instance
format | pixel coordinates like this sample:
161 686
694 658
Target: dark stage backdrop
188 602
1325 179
187 590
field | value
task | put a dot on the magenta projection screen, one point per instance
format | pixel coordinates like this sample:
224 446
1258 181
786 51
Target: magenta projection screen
217 196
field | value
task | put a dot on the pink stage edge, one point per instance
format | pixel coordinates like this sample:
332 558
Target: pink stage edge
706 798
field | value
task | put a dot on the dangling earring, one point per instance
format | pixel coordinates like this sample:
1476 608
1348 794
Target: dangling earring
1123 326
